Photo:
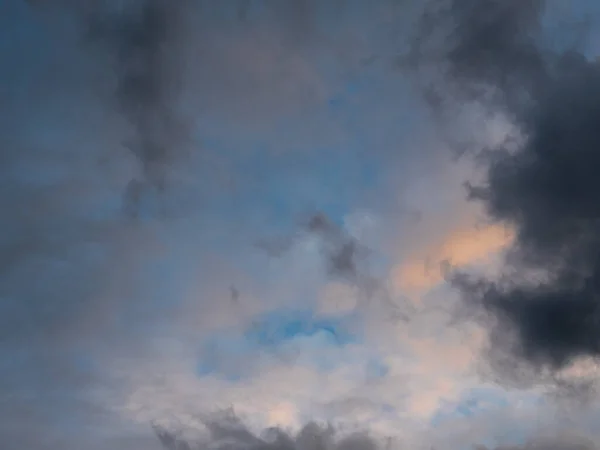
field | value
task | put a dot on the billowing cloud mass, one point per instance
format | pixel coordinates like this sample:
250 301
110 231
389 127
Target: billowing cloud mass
258 207
229 432
542 186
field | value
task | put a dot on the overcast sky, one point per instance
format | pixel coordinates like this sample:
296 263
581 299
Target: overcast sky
225 216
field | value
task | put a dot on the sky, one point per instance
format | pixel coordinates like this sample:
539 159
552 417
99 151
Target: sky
299 224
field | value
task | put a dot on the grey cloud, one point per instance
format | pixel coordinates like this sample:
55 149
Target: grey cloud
89 111
90 119
70 265
484 45
547 189
556 443
230 433
73 73
345 258
141 39
341 252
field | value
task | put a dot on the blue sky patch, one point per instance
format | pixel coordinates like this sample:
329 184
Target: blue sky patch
472 402
278 327
279 333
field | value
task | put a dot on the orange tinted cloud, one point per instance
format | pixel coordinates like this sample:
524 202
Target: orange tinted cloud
283 414
459 248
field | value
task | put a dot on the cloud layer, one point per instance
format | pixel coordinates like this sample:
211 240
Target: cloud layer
258 207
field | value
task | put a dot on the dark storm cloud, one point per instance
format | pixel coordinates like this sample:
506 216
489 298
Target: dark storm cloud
490 43
229 433
548 188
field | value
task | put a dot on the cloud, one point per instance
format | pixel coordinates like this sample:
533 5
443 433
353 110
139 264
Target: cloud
341 251
557 443
146 147
226 430
461 248
231 433
544 188
338 298
139 38
81 284
343 255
